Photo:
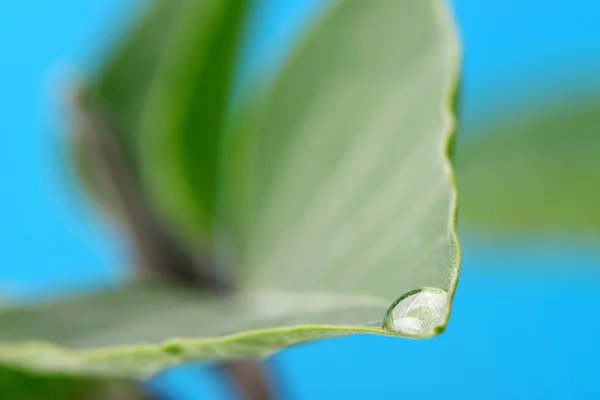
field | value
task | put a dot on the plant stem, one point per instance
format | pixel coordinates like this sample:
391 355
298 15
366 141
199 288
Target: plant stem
250 379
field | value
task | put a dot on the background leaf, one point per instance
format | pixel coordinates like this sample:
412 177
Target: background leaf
536 171
123 84
184 117
343 184
136 331
21 385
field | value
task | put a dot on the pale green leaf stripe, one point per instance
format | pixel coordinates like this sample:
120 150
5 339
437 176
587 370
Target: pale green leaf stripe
343 185
534 171
343 201
183 117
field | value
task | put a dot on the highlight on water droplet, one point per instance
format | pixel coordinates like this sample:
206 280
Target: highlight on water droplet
421 312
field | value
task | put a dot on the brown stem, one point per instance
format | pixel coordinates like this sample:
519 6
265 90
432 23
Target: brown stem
250 379
160 255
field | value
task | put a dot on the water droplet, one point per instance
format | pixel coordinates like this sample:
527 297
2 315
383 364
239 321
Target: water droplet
421 312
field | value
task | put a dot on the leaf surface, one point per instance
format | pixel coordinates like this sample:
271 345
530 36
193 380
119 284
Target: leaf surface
336 212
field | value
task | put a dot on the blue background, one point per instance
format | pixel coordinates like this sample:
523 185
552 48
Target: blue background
525 317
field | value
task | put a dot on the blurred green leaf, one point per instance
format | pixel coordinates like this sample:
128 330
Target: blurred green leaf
166 87
535 170
21 385
124 82
126 78
184 116
337 195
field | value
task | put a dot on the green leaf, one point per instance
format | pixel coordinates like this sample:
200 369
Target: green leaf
123 82
166 88
533 171
344 178
22 385
124 332
184 116
336 211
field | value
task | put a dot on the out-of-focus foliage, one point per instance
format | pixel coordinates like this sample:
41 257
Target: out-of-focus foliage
22 385
537 171
182 124
166 90
335 199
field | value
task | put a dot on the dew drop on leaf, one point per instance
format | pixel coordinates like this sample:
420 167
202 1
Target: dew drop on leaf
421 312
